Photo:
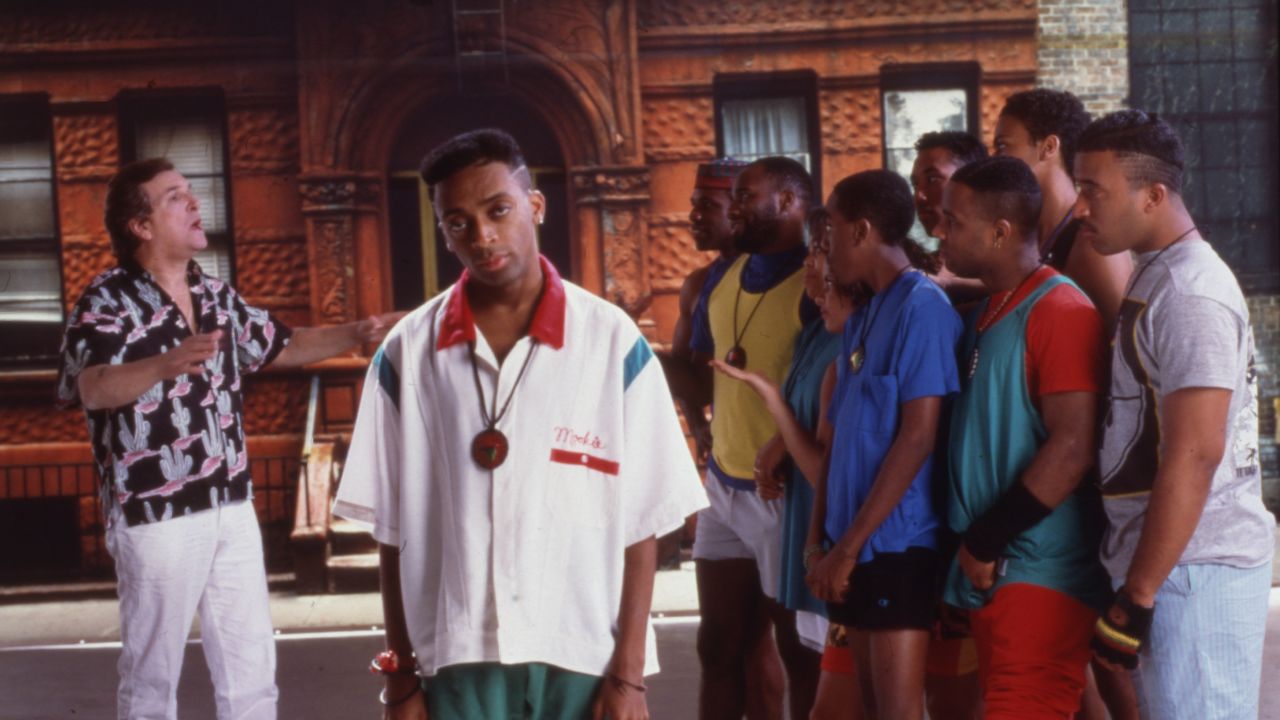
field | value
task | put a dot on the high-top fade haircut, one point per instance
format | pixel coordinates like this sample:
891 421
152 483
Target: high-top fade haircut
963 146
1044 112
477 147
1007 189
127 202
1148 147
788 174
884 199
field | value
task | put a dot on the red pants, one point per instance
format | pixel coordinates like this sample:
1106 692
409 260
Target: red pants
1033 649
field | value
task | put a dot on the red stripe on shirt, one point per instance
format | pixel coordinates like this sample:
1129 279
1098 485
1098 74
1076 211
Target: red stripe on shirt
598 464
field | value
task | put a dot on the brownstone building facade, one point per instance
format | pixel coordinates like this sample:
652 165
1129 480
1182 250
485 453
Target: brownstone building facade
303 123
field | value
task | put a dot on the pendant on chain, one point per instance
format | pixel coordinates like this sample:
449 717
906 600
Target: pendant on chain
489 448
736 357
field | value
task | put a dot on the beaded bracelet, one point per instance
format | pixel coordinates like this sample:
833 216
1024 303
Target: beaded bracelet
382 697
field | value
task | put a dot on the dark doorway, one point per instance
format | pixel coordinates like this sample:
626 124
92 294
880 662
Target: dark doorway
421 266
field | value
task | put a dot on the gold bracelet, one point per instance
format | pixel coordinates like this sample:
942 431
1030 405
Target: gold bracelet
809 552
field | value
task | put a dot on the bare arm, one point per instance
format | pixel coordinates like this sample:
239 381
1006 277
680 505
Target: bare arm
1193 425
1102 277
1057 468
806 448
111 386
917 434
398 685
313 344
623 701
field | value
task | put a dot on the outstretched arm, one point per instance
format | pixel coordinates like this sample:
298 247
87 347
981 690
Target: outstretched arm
313 344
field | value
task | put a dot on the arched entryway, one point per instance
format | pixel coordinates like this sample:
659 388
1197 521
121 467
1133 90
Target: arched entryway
420 265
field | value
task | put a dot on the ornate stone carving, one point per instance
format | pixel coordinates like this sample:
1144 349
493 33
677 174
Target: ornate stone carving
263 141
626 279
338 193
332 240
612 184
679 128
672 255
681 13
83 258
622 196
85 147
850 120
274 271
275 406
54 23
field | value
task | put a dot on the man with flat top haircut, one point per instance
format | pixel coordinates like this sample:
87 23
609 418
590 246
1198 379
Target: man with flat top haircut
516 453
1041 127
1189 543
754 314
1021 442
156 350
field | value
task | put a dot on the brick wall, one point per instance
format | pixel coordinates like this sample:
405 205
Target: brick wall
1083 48
1264 311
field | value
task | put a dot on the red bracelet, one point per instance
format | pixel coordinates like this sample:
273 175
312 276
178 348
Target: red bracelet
387 662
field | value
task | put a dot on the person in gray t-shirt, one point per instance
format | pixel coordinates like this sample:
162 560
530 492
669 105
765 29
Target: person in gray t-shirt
1189 542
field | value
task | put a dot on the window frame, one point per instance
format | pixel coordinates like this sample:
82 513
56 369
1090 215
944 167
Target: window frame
40 106
931 76
763 86
136 106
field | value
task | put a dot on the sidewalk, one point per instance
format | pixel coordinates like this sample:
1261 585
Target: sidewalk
97 619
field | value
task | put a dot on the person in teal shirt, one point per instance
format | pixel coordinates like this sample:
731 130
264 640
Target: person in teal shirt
1022 440
790 465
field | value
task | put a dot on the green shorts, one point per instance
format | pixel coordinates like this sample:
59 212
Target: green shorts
492 691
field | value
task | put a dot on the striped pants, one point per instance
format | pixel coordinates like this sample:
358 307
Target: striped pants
1204 658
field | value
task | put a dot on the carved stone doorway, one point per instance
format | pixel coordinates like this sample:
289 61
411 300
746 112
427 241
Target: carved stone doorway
420 264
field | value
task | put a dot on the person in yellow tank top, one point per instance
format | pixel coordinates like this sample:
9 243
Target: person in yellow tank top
754 314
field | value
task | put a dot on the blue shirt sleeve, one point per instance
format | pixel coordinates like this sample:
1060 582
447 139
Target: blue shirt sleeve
700 340
926 364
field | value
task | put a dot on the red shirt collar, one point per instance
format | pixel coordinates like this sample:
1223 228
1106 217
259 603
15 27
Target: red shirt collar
458 325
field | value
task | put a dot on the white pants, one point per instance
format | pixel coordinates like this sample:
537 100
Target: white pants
211 561
739 525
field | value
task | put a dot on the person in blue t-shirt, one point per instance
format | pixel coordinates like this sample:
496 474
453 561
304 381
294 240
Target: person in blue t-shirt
879 566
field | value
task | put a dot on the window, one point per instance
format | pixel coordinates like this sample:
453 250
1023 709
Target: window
762 115
917 99
1209 68
30 260
191 133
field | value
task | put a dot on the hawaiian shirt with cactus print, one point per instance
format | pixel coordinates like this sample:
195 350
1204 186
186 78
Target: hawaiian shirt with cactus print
180 447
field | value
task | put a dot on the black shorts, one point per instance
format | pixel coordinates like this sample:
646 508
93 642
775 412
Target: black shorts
895 591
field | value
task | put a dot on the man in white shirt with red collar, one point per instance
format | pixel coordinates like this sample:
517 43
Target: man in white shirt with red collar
516 453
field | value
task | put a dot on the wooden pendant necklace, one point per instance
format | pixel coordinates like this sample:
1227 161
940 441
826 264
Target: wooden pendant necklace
859 354
991 319
489 447
737 355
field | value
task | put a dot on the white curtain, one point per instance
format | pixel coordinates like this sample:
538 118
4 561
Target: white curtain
30 287
194 146
754 129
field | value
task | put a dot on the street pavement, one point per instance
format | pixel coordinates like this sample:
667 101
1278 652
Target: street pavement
57 659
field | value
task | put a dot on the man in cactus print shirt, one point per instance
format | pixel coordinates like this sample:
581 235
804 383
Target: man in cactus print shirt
155 351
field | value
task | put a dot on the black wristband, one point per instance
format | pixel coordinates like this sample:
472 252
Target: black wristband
1121 633
1013 514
